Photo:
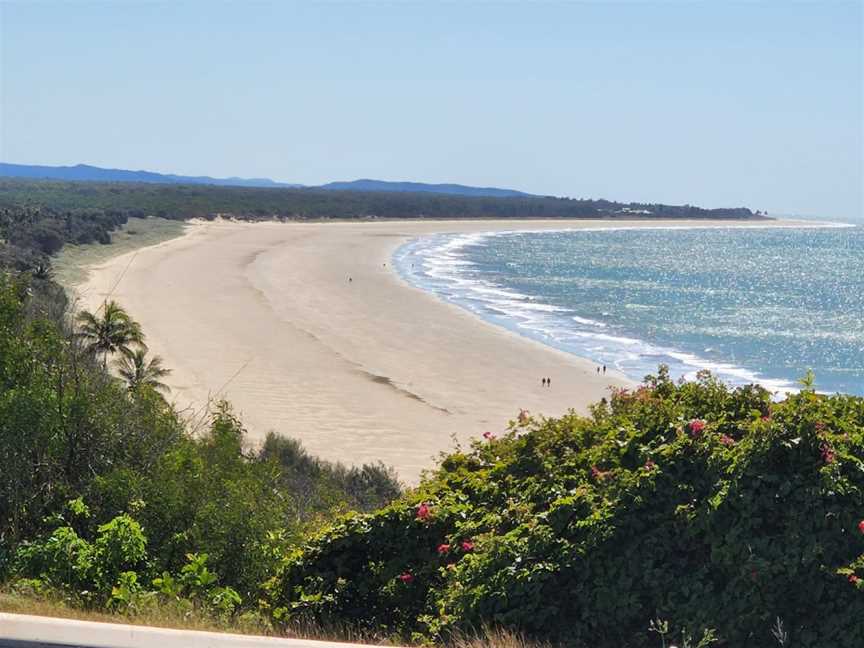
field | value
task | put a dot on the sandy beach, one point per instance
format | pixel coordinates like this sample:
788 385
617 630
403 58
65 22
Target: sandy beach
263 315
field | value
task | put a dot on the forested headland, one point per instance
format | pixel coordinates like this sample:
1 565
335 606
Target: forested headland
37 217
198 201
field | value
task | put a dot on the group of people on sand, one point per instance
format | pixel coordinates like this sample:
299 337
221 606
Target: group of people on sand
547 382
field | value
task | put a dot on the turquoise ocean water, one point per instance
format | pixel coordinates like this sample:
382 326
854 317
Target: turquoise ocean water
752 305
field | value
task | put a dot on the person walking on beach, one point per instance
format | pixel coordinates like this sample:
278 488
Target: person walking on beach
604 370
543 381
548 382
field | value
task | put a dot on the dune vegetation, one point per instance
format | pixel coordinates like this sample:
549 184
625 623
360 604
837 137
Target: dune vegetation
69 266
675 511
179 202
107 493
714 511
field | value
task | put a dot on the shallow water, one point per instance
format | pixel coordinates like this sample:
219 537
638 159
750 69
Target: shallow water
753 305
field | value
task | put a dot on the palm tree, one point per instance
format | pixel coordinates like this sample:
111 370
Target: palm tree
114 331
135 369
42 270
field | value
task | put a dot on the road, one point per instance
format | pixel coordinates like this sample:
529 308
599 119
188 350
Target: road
24 631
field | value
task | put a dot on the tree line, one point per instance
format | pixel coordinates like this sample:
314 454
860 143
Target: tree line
38 217
202 201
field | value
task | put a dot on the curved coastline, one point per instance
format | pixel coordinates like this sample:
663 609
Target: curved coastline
263 314
437 264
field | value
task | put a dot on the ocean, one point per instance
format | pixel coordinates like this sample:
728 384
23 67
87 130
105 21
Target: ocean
757 305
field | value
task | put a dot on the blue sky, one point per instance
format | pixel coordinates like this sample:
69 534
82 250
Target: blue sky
717 104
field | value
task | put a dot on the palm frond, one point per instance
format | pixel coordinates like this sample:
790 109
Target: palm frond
134 367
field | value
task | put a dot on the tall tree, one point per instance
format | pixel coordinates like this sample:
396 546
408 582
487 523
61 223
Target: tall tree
138 371
109 333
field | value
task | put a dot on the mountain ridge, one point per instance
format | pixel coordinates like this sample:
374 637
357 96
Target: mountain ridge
367 184
89 173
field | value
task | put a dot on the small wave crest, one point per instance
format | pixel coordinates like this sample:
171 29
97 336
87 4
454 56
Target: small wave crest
438 264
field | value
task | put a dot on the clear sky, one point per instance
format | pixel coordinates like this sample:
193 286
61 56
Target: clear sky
716 103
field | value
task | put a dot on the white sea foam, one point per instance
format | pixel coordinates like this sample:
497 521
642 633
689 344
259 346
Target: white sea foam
447 273
588 322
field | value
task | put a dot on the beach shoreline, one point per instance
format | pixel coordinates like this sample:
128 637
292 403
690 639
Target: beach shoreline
371 369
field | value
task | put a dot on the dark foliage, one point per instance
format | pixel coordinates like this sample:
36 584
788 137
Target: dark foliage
317 484
31 234
198 201
38 217
715 509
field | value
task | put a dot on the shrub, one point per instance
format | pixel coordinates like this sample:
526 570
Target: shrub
114 569
68 429
715 508
319 486
87 570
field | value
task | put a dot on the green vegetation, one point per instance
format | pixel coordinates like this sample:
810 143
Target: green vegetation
69 265
675 512
139 372
714 510
39 217
202 201
111 331
29 235
107 499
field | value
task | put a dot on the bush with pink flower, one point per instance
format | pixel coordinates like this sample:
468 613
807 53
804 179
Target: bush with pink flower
714 508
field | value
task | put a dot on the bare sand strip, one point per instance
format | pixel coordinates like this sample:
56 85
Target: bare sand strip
262 314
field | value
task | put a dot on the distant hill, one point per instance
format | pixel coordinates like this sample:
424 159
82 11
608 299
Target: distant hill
421 187
87 173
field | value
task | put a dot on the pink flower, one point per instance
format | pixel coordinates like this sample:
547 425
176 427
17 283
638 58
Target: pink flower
696 427
467 545
650 465
407 577
443 548
424 512
726 440
861 526
488 436
828 455
854 579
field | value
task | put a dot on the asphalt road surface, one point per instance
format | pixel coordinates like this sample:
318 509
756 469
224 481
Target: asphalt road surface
24 631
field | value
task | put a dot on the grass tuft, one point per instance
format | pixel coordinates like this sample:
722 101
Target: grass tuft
70 264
